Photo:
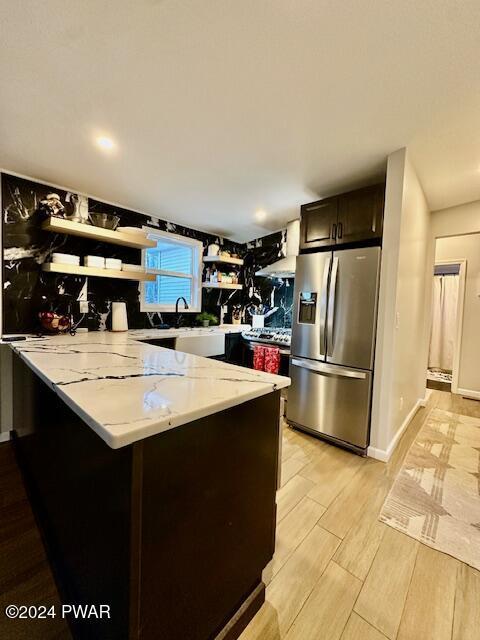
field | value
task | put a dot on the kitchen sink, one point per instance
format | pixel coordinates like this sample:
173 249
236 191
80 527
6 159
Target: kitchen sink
198 343
211 344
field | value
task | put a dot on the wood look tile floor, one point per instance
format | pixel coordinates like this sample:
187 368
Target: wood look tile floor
25 575
338 573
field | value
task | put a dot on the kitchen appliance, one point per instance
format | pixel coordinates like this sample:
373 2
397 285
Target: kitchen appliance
333 344
285 267
269 335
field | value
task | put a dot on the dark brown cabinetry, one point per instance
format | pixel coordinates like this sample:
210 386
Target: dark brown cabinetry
318 223
346 219
171 532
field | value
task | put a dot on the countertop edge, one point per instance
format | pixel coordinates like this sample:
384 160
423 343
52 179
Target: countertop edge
147 429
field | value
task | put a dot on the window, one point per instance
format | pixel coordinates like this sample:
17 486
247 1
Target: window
177 263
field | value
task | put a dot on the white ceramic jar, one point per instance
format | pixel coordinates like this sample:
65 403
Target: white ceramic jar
119 316
213 249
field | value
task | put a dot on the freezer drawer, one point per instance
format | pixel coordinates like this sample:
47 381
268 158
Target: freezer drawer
331 400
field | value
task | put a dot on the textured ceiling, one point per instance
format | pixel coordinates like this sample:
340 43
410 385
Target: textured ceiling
223 107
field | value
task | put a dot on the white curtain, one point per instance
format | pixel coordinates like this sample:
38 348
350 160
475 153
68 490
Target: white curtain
444 325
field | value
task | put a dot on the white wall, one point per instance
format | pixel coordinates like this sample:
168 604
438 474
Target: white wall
403 323
451 222
468 248
456 221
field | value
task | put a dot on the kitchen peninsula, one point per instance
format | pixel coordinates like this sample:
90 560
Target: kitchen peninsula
153 474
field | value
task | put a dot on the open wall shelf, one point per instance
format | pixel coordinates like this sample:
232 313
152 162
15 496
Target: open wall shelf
221 285
52 267
222 260
59 225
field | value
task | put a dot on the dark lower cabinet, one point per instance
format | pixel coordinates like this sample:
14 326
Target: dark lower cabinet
347 219
234 348
166 343
171 532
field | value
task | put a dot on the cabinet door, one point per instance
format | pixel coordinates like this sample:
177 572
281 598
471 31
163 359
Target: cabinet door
233 348
360 215
318 224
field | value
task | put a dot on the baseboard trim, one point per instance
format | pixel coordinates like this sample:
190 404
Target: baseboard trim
428 394
468 393
378 454
384 455
5 436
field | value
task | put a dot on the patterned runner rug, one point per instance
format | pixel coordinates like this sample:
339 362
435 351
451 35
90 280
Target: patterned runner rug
439 376
436 496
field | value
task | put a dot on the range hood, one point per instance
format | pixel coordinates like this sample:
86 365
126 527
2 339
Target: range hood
285 267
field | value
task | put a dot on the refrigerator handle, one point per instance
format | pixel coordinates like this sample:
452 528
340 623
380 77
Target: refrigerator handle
321 367
323 305
331 307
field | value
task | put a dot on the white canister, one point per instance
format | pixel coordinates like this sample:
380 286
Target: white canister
258 322
213 249
119 316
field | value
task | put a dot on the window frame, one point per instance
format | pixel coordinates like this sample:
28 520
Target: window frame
195 276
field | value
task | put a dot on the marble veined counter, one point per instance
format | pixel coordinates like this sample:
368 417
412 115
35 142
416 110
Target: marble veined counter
127 390
150 334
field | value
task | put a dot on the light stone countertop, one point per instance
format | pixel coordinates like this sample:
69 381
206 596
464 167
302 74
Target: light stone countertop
149 334
127 390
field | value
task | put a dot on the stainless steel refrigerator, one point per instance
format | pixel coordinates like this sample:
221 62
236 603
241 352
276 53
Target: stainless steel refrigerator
333 344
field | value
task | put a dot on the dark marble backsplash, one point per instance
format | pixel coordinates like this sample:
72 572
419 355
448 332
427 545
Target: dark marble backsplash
28 290
268 292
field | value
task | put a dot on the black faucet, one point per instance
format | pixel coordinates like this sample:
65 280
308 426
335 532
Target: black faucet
177 316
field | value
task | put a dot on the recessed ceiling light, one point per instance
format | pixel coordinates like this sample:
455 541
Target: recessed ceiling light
105 143
260 215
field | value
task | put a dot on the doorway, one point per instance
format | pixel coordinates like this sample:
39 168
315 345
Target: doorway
446 324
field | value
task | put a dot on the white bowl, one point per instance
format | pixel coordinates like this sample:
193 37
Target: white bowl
65 258
133 267
113 263
94 261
